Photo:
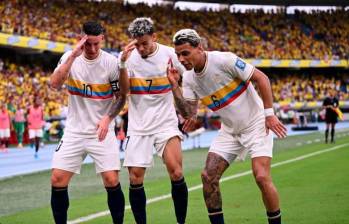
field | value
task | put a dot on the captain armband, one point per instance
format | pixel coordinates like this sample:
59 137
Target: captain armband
115 86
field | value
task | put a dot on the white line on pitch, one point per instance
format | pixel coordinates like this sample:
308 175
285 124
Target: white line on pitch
166 196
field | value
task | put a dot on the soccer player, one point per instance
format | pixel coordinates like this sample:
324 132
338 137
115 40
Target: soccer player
223 82
35 123
331 117
93 81
152 119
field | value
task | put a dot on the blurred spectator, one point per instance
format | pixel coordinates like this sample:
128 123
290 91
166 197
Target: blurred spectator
19 124
35 124
5 125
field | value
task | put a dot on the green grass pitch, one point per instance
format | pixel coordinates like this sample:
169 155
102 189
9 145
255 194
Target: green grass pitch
314 189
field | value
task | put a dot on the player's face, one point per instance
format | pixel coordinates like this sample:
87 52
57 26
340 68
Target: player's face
188 55
92 46
146 45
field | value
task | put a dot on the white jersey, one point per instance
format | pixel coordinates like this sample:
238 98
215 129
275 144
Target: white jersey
151 106
90 92
224 87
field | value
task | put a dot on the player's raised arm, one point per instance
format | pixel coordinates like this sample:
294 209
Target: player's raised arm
124 83
185 107
271 120
124 80
61 73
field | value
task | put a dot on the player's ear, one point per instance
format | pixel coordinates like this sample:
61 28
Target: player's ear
200 47
154 37
102 36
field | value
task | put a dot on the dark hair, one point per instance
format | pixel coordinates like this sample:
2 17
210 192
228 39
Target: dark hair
187 36
141 26
92 28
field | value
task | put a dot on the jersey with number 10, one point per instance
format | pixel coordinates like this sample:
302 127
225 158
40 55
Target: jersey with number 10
90 92
151 106
224 87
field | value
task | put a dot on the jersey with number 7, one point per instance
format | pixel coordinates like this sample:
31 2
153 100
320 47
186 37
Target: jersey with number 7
151 106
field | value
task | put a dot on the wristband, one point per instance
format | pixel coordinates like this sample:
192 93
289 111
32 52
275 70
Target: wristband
122 65
268 112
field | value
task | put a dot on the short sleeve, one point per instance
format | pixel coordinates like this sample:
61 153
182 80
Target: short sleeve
238 67
188 91
63 59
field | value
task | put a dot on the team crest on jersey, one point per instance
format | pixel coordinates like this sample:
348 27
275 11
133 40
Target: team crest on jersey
240 64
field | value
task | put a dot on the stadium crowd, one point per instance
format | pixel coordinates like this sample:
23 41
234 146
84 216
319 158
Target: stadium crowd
254 34
306 88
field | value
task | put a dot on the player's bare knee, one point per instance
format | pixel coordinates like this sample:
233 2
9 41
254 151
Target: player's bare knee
262 180
110 181
54 180
176 174
207 178
58 180
136 178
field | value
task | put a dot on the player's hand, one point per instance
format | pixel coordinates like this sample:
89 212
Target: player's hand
172 74
79 48
273 123
189 124
127 50
102 127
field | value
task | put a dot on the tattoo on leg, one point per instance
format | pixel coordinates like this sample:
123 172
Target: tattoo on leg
215 167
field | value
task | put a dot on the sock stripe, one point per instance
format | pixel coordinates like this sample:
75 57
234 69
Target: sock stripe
136 186
178 182
59 188
275 217
215 213
115 188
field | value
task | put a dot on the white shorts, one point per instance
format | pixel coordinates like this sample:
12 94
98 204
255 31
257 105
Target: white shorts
139 148
254 142
5 133
35 133
71 152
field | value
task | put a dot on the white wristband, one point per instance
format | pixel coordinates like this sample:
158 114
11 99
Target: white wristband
268 112
122 65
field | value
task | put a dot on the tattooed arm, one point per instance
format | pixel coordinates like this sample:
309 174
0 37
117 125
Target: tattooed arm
120 100
61 73
186 108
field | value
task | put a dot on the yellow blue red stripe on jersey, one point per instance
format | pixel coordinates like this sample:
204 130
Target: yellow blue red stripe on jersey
88 90
151 85
225 95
